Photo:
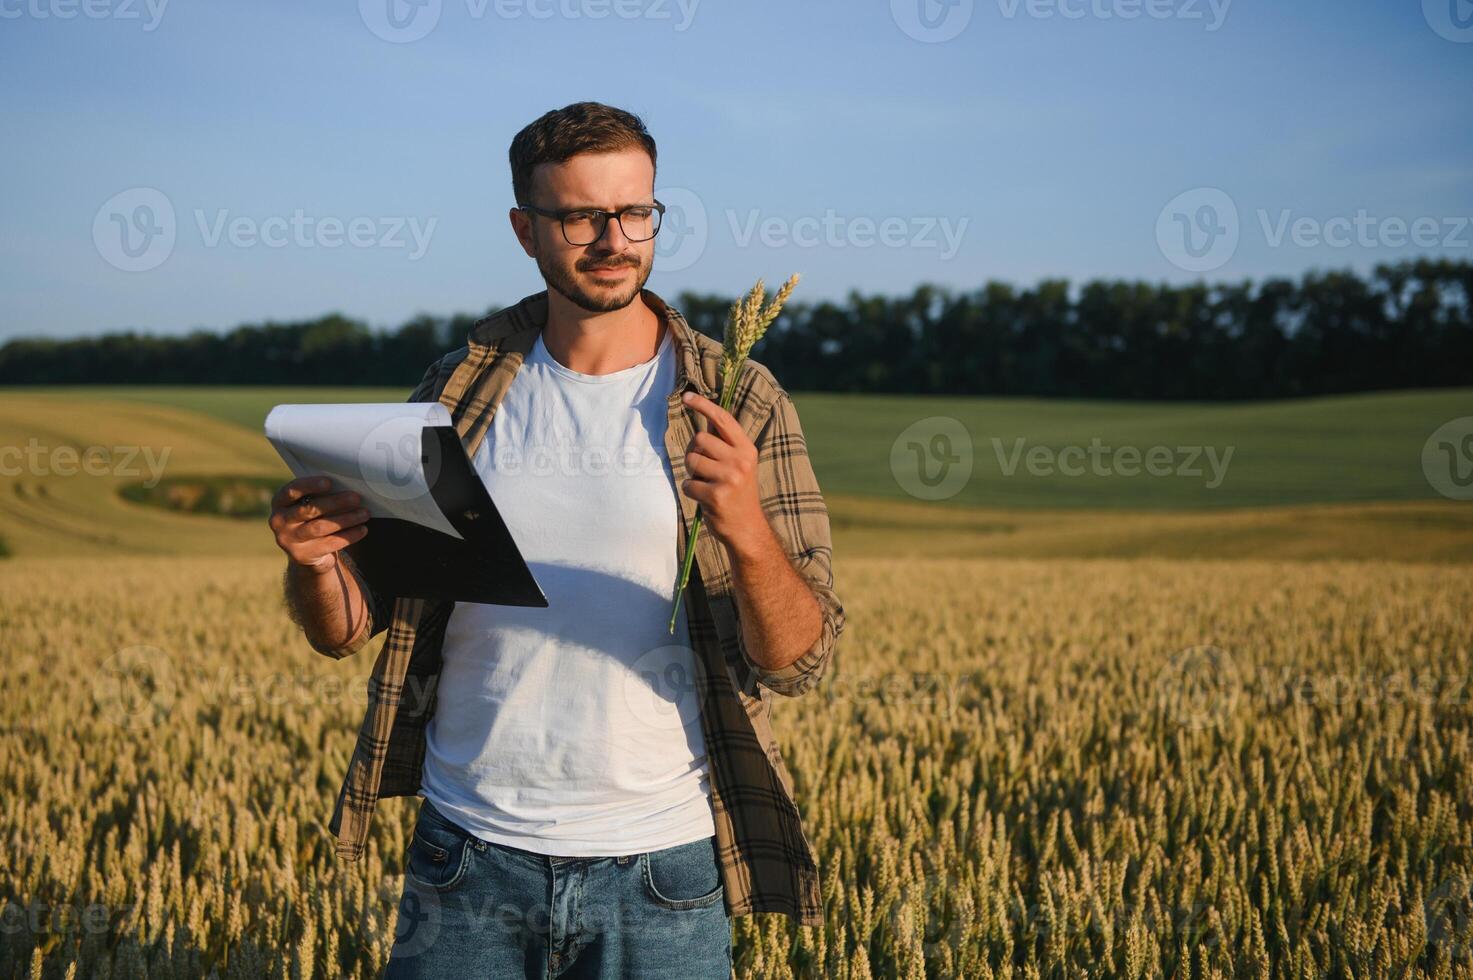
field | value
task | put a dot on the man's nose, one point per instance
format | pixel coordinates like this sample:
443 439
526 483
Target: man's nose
613 235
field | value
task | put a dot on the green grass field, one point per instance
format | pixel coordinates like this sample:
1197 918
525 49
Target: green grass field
1318 478
1321 450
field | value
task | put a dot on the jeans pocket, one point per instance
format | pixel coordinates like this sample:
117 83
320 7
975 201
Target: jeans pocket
438 853
686 876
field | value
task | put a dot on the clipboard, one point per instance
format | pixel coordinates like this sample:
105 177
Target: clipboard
402 557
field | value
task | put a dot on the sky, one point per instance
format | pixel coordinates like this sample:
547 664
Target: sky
170 165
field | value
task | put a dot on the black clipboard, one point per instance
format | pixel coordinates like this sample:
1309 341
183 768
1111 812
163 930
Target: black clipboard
401 558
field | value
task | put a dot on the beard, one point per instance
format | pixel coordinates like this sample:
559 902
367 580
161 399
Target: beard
589 294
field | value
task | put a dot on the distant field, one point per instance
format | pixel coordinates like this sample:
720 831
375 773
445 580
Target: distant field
1322 478
1342 449
246 406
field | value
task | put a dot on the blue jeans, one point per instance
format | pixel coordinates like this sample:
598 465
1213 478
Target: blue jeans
473 909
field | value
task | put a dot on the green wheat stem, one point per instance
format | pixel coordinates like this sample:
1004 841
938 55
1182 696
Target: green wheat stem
695 526
746 322
690 554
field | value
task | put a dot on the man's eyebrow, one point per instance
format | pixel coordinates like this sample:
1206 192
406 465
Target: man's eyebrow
595 207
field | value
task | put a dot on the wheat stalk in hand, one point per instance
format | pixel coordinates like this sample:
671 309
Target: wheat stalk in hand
746 322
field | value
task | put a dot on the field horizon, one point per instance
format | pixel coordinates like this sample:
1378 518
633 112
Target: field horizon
1349 467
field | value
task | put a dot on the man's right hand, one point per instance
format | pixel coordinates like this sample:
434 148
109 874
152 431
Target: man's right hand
312 522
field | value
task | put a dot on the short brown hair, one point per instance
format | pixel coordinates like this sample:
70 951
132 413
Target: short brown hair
583 127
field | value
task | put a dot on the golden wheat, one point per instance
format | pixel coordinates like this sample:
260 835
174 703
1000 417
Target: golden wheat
1018 768
746 322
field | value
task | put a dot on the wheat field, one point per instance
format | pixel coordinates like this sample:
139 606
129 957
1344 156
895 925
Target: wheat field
1132 768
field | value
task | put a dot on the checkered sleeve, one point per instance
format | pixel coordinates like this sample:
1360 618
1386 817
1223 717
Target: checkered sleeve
795 508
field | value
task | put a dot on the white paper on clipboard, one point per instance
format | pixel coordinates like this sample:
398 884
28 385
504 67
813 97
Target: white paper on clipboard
373 449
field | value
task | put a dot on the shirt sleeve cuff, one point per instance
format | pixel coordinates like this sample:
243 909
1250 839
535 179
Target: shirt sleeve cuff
361 637
800 676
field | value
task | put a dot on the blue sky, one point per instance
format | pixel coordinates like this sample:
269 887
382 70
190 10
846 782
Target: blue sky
847 141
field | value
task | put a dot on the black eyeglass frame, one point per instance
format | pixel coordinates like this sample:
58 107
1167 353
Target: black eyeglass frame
603 215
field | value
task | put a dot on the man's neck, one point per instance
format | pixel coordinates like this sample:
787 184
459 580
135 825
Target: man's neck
601 343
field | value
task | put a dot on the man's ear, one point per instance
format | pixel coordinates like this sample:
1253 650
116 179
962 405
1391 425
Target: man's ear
521 226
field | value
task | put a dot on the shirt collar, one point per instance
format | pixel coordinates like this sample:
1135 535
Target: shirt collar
530 315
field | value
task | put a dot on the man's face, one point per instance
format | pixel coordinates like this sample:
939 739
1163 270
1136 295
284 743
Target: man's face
608 181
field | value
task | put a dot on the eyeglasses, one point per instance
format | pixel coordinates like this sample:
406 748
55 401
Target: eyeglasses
638 222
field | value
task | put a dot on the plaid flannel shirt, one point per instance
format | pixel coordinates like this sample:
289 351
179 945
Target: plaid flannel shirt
767 865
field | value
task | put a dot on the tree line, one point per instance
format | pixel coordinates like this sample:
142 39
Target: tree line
1406 325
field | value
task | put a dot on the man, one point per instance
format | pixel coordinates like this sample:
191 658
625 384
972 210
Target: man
600 796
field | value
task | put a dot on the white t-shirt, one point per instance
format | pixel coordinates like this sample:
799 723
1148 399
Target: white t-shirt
575 730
